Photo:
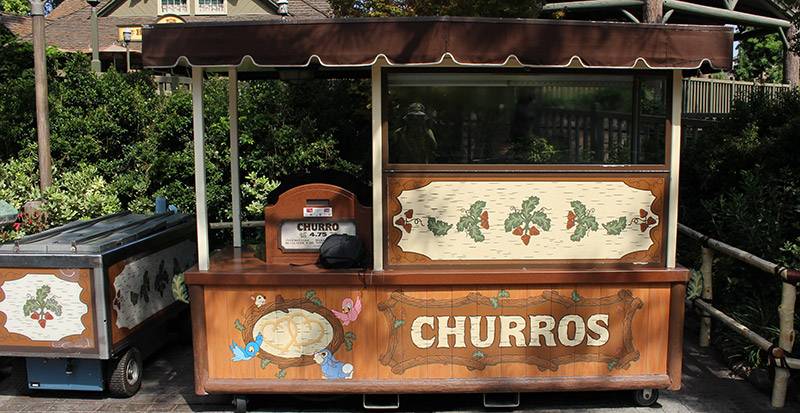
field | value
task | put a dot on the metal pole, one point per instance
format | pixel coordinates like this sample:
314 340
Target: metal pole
96 66
42 111
233 111
127 57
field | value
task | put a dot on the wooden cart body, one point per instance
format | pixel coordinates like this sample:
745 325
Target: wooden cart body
448 306
89 290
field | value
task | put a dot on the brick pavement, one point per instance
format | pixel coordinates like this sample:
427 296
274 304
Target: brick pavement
168 383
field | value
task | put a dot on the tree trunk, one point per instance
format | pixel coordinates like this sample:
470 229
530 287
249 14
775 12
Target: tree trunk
791 61
653 11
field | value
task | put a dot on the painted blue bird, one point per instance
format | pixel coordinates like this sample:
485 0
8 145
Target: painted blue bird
249 351
332 368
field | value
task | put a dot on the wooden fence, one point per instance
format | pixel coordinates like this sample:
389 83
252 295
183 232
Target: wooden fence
704 98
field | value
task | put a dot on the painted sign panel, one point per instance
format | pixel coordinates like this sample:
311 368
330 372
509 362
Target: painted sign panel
306 235
338 332
476 331
43 307
531 220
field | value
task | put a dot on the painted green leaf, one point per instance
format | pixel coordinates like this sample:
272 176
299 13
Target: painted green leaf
465 222
281 374
477 208
695 287
348 345
503 294
478 355
437 227
351 335
52 305
29 307
179 290
578 208
541 219
475 233
590 222
529 205
616 226
42 292
580 232
310 293
238 324
316 301
611 365
399 323
495 302
575 296
264 364
515 219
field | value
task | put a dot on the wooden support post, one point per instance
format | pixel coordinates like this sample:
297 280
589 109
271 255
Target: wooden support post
785 342
707 294
201 206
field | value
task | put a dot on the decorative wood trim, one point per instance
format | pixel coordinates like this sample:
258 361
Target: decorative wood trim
675 340
199 341
404 386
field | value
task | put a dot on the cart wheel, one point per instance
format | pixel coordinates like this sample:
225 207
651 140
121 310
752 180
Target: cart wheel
645 397
126 377
19 376
239 404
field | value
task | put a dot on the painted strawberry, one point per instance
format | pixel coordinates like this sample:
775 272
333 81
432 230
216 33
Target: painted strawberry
407 227
526 239
409 213
35 316
485 224
48 316
642 213
570 219
485 219
400 221
42 322
533 231
517 231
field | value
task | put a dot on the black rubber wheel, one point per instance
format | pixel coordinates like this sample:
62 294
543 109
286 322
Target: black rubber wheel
645 397
125 376
19 376
239 404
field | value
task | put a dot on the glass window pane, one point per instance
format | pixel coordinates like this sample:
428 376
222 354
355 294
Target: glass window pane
519 119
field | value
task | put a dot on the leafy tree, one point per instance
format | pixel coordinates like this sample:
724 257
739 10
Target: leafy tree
15 6
760 59
406 8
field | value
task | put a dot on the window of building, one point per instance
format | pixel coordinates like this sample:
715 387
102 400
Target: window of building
210 6
496 119
174 7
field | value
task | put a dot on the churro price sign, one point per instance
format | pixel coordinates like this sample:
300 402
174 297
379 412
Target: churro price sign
306 235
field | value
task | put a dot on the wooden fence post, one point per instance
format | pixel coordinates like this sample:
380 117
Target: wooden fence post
707 295
785 342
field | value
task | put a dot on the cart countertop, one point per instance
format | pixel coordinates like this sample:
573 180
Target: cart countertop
246 266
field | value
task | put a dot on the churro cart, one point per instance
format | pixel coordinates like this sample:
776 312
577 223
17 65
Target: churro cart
522 218
83 303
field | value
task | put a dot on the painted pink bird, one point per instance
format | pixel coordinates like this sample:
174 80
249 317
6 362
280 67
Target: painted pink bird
349 311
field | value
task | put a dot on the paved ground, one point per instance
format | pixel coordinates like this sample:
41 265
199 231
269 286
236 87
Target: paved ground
708 386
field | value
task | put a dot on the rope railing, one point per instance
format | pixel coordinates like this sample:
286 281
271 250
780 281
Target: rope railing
779 353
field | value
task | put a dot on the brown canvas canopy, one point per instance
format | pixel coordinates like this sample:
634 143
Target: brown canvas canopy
411 41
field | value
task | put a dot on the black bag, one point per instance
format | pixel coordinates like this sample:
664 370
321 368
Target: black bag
343 251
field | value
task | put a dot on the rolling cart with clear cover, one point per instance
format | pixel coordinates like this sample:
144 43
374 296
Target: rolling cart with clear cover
82 304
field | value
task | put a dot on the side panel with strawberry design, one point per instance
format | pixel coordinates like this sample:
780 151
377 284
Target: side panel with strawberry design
611 219
46 308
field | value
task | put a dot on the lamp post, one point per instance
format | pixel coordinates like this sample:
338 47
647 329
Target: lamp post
42 111
283 8
126 40
95 42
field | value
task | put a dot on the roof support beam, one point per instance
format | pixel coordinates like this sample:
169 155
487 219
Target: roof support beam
729 16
